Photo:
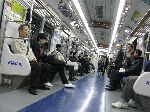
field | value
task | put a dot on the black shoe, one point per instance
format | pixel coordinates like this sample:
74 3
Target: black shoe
108 76
72 79
108 85
32 91
43 87
82 75
78 74
112 88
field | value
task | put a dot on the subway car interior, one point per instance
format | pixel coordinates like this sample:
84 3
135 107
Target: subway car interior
74 55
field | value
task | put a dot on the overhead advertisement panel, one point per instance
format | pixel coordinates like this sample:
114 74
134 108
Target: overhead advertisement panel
14 10
18 9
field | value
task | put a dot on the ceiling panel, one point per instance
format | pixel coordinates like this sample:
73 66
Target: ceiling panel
100 10
94 10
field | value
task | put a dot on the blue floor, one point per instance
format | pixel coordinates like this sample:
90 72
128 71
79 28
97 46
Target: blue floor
88 96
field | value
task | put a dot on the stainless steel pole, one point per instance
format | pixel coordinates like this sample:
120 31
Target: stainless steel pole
31 10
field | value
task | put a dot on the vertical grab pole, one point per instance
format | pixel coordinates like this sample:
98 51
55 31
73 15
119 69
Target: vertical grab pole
29 36
3 28
126 45
42 25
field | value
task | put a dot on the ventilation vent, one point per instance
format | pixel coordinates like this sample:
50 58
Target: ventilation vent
99 11
102 38
101 33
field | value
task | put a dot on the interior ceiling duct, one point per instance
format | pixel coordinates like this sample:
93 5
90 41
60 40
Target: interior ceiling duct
99 24
99 12
64 10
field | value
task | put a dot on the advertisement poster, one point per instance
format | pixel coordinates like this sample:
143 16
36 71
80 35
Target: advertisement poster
14 10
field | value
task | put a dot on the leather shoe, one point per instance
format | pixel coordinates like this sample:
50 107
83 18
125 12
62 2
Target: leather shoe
113 88
32 91
72 79
43 87
108 85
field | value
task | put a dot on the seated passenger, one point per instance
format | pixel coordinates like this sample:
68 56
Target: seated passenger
62 62
134 70
128 93
38 48
86 63
19 46
73 57
54 65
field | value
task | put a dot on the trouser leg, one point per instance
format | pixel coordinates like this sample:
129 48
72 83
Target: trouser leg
47 73
70 68
128 92
109 71
86 68
116 76
103 70
80 70
35 74
92 66
60 69
53 72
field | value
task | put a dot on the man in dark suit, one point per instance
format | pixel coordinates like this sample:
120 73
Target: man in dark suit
119 57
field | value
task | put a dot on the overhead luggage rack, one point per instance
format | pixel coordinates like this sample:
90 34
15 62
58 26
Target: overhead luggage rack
41 9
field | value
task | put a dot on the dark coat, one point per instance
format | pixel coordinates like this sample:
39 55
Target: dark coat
44 57
119 59
36 51
147 66
136 66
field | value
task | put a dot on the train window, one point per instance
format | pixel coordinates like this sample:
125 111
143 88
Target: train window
135 43
35 24
35 27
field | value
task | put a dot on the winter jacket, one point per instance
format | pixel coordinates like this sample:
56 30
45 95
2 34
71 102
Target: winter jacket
136 67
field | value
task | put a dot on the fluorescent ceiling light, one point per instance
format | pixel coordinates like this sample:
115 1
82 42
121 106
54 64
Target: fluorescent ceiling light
103 50
78 7
118 17
127 8
126 11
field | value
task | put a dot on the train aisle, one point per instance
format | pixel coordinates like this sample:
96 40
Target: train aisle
88 96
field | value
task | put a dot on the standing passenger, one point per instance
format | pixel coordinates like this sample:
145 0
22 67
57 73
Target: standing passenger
129 55
119 58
